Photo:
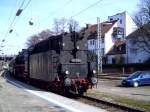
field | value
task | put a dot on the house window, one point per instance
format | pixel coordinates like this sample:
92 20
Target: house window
120 21
133 42
102 40
91 42
133 50
113 60
111 19
103 52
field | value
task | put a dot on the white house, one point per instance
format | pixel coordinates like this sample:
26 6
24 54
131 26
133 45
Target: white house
115 29
107 42
124 21
126 26
106 32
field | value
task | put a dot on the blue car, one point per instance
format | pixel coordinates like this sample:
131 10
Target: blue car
137 79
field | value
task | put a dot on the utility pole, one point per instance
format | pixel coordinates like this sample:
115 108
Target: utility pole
99 47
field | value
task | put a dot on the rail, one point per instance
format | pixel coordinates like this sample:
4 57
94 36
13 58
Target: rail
114 105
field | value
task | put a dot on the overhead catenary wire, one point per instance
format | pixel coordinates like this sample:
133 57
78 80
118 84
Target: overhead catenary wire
43 20
13 21
69 1
9 19
16 14
78 13
31 21
19 11
22 4
14 18
92 5
11 14
56 11
9 28
27 5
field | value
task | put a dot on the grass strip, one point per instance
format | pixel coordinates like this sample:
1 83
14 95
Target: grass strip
121 100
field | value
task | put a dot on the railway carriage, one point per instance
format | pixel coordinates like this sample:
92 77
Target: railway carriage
60 64
17 65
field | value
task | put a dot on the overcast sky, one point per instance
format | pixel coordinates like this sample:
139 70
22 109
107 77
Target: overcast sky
43 12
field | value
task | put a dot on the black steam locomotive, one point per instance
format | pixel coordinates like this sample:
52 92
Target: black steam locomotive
58 64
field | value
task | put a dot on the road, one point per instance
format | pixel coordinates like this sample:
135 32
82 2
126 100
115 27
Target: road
16 96
113 87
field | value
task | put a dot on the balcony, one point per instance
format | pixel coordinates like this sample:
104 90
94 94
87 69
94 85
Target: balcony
118 33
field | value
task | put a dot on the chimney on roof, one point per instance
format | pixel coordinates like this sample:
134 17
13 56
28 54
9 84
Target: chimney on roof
88 25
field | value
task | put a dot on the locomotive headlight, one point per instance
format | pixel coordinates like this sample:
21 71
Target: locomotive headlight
94 71
66 72
67 82
94 80
78 47
63 44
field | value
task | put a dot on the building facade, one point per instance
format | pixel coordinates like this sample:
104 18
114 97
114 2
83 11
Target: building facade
117 28
106 38
125 26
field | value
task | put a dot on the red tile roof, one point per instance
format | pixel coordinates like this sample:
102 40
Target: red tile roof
92 29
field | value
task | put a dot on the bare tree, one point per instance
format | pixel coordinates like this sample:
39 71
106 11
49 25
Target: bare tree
59 25
143 15
142 18
73 25
45 34
34 39
65 25
56 27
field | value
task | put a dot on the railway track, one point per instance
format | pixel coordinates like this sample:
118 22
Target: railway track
109 106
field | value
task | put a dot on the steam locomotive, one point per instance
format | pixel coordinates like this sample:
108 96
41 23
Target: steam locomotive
58 64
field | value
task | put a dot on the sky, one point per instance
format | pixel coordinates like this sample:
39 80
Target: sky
43 13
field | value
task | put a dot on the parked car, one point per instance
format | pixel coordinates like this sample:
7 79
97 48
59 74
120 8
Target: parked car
136 79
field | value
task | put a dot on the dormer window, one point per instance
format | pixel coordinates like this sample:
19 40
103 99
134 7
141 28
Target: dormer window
111 19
